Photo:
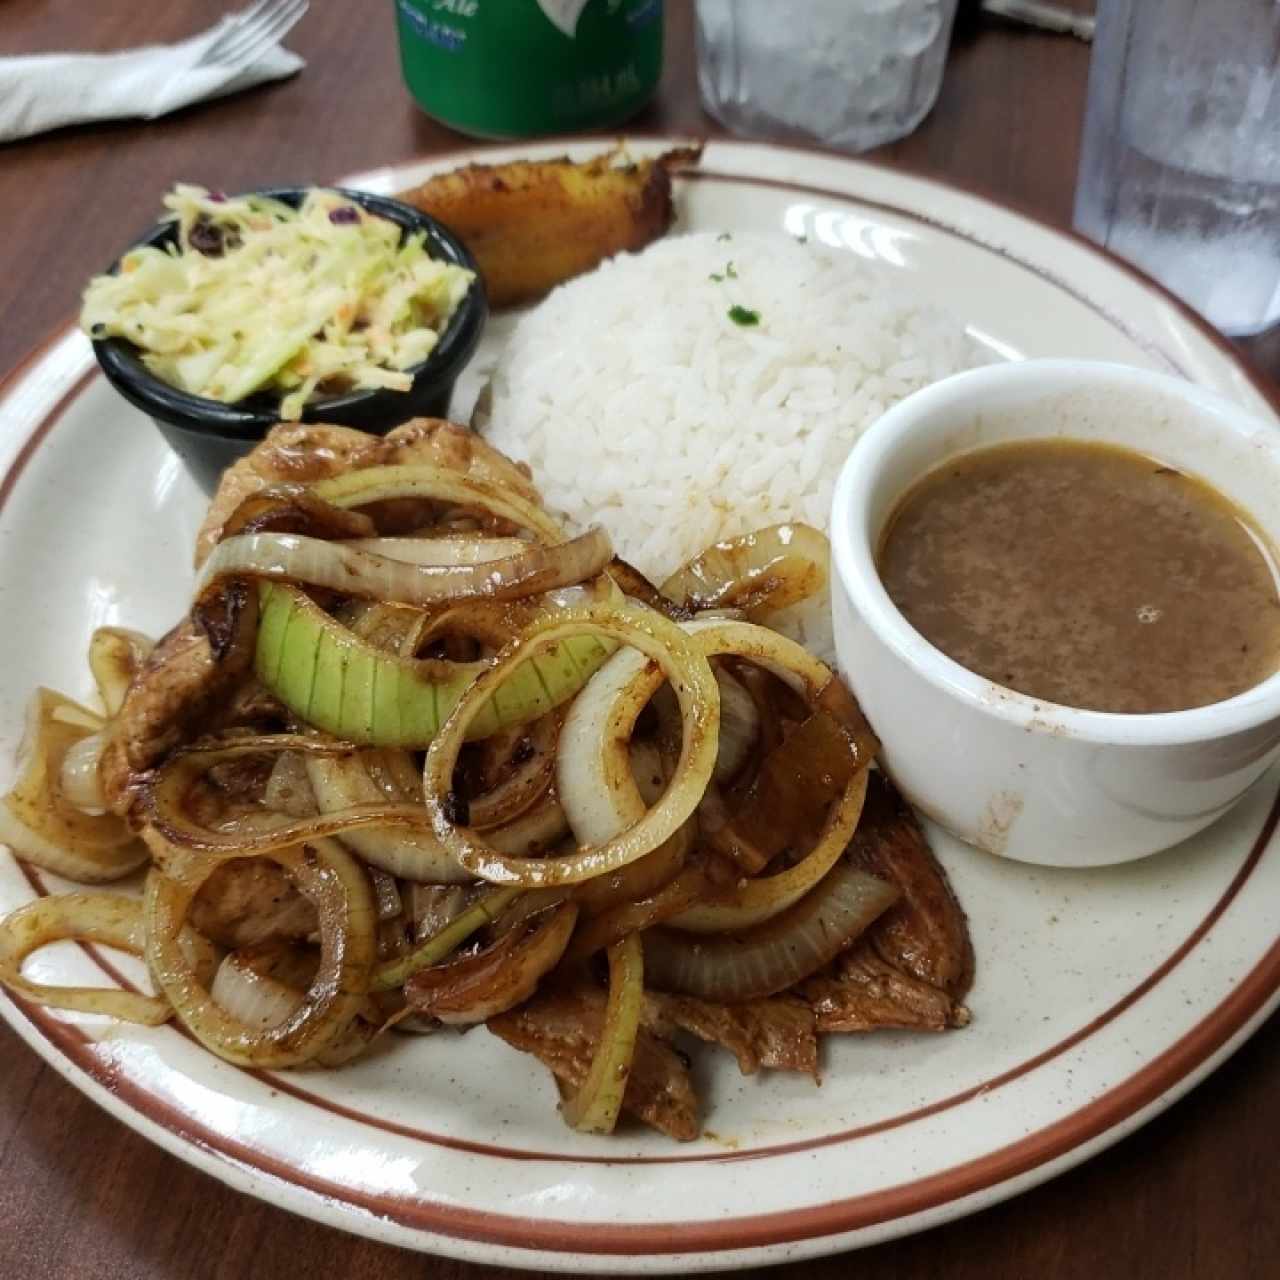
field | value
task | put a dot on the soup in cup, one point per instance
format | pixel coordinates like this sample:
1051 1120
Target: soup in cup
1054 593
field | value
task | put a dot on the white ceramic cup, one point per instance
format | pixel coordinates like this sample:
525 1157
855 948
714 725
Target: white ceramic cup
1014 775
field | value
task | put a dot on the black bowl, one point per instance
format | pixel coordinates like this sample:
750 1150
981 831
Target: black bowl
208 435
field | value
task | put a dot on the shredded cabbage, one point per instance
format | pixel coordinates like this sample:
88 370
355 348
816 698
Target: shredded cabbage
258 295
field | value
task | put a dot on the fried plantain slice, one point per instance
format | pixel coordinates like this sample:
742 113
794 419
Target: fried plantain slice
534 224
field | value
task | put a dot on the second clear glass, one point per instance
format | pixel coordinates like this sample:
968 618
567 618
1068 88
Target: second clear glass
1180 169
846 73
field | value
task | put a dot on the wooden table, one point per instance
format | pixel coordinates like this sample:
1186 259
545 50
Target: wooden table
1191 1195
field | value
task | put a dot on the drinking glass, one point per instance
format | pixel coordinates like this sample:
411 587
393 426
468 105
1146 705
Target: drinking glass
847 73
1180 171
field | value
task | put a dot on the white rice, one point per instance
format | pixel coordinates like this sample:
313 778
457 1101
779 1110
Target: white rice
640 404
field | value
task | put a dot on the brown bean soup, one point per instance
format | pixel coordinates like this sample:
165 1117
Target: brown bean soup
1085 574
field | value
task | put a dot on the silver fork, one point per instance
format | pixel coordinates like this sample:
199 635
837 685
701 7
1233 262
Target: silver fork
1047 16
252 31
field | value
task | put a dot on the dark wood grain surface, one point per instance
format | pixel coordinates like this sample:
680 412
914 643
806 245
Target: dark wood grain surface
1194 1194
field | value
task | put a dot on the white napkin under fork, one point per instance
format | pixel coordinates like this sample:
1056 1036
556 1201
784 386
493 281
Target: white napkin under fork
49 90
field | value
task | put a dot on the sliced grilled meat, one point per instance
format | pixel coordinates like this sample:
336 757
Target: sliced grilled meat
251 900
925 935
778 1033
561 1029
863 992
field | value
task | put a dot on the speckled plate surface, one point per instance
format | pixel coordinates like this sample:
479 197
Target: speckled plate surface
1100 996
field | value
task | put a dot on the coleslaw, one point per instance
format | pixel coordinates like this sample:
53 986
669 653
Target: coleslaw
257 295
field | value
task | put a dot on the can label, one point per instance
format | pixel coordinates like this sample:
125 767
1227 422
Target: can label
517 68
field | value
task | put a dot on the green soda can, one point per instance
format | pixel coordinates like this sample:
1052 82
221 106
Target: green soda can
518 68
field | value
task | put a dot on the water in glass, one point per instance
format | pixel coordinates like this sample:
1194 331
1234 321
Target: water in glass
848 73
1180 171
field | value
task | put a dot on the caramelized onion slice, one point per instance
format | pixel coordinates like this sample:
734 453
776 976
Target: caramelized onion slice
739 726
393 973
262 986
689 673
437 484
529 768
116 655
759 572
447 549
642 877
773 956
592 771
38 821
680 893
397 628
109 919
173 835
802 777
290 557
637 879
736 848
335 883
334 681
638 587
611 788
248 987
79 778
598 789
595 1107
342 783
290 507
534 831
752 902
288 788
170 828
594 775
430 907
797 668
489 982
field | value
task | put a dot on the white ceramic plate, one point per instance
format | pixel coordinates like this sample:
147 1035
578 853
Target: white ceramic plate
1100 997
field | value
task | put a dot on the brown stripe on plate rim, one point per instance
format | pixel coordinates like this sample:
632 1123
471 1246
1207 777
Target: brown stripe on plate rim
10 380
37 437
